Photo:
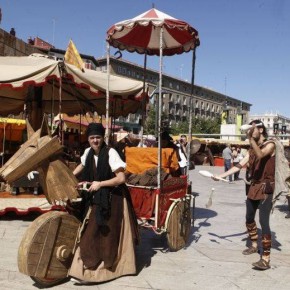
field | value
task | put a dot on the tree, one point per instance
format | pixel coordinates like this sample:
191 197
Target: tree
199 126
149 126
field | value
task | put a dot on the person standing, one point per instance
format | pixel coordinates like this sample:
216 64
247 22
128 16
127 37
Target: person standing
236 153
105 246
182 154
227 156
261 161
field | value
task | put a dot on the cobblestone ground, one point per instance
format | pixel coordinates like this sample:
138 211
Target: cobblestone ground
211 260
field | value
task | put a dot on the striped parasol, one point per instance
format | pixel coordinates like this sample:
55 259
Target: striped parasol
141 34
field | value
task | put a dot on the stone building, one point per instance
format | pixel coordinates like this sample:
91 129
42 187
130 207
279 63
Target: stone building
274 122
176 92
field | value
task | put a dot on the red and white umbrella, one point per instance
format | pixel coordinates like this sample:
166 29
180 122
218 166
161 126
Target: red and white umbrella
141 34
155 33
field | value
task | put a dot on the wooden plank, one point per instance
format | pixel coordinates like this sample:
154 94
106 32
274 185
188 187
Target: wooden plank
47 250
179 226
57 189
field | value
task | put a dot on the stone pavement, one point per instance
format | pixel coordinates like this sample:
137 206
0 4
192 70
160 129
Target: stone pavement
212 259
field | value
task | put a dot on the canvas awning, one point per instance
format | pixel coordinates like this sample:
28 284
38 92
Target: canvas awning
80 91
78 123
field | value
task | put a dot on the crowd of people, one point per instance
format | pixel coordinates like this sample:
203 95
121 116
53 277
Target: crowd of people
232 155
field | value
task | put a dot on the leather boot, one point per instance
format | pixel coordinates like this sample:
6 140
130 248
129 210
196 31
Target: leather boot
253 235
264 262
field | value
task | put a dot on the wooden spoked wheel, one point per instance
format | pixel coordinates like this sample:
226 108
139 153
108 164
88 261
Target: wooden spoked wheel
179 225
46 250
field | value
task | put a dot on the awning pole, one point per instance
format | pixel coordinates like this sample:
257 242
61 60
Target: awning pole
159 182
107 93
143 101
190 112
61 134
4 139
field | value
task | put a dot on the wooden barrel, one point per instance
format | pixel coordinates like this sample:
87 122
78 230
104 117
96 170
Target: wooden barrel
46 250
179 225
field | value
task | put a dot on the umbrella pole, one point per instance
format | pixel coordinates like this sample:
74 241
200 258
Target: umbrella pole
190 111
143 106
107 93
159 183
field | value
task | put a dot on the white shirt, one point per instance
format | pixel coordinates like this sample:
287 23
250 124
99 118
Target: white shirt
115 160
183 160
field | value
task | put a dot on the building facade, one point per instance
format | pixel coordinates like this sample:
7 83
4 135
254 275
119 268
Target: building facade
176 93
274 122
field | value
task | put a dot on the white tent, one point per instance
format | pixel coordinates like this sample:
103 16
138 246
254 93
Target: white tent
80 91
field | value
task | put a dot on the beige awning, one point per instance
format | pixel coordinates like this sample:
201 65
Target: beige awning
80 91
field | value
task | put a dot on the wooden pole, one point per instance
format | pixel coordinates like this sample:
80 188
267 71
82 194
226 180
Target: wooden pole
107 93
190 112
159 182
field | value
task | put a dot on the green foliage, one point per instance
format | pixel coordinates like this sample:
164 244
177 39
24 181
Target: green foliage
206 126
149 126
199 126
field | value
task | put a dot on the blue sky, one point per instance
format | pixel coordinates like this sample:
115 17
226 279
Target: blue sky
244 51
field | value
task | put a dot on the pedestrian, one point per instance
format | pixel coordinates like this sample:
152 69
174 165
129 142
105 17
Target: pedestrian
167 142
228 159
261 160
182 154
236 153
105 246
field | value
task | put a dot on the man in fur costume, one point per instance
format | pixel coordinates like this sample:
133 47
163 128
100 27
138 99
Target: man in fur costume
266 184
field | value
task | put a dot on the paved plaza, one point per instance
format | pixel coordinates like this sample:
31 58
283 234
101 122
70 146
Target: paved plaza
212 260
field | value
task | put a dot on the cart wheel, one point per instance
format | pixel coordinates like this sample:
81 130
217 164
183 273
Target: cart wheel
46 282
179 224
46 250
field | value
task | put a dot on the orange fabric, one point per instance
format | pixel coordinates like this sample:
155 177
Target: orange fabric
140 159
12 132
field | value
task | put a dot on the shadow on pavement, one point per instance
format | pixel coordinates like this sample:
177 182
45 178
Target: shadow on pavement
202 214
9 216
150 244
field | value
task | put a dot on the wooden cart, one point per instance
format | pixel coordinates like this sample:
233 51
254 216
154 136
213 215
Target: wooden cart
167 211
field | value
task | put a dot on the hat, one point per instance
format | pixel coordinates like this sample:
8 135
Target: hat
95 129
120 136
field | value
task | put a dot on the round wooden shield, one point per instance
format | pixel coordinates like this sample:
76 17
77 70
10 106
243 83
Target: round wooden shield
179 225
46 250
194 146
